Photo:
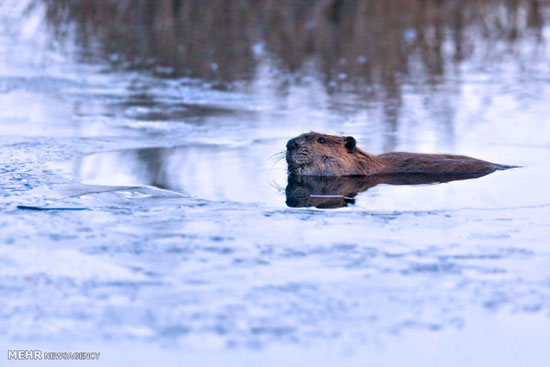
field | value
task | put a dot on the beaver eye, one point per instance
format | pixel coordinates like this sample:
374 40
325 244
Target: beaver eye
321 140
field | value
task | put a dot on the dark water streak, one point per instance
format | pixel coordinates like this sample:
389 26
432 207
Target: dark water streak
160 117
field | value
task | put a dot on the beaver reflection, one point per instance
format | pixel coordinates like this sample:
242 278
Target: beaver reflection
328 192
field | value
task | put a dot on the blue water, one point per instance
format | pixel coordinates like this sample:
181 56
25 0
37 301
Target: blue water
176 243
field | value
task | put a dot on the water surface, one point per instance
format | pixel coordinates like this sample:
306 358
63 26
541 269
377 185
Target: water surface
184 247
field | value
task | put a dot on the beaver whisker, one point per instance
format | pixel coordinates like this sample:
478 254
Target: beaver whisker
274 162
278 155
277 187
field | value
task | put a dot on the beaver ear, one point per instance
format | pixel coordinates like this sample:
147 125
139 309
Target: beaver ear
350 143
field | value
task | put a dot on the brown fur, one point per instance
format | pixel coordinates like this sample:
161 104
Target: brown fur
315 154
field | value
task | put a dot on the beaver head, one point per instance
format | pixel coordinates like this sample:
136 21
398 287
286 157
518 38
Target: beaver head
315 154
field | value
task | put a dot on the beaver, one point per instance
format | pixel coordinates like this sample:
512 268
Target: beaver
315 154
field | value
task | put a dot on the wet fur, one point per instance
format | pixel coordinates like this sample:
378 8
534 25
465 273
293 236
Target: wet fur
315 154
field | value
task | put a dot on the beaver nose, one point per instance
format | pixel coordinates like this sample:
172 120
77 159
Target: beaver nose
292 144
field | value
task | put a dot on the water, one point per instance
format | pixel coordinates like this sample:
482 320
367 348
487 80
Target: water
176 241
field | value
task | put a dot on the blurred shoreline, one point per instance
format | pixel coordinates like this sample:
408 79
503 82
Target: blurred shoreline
371 42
